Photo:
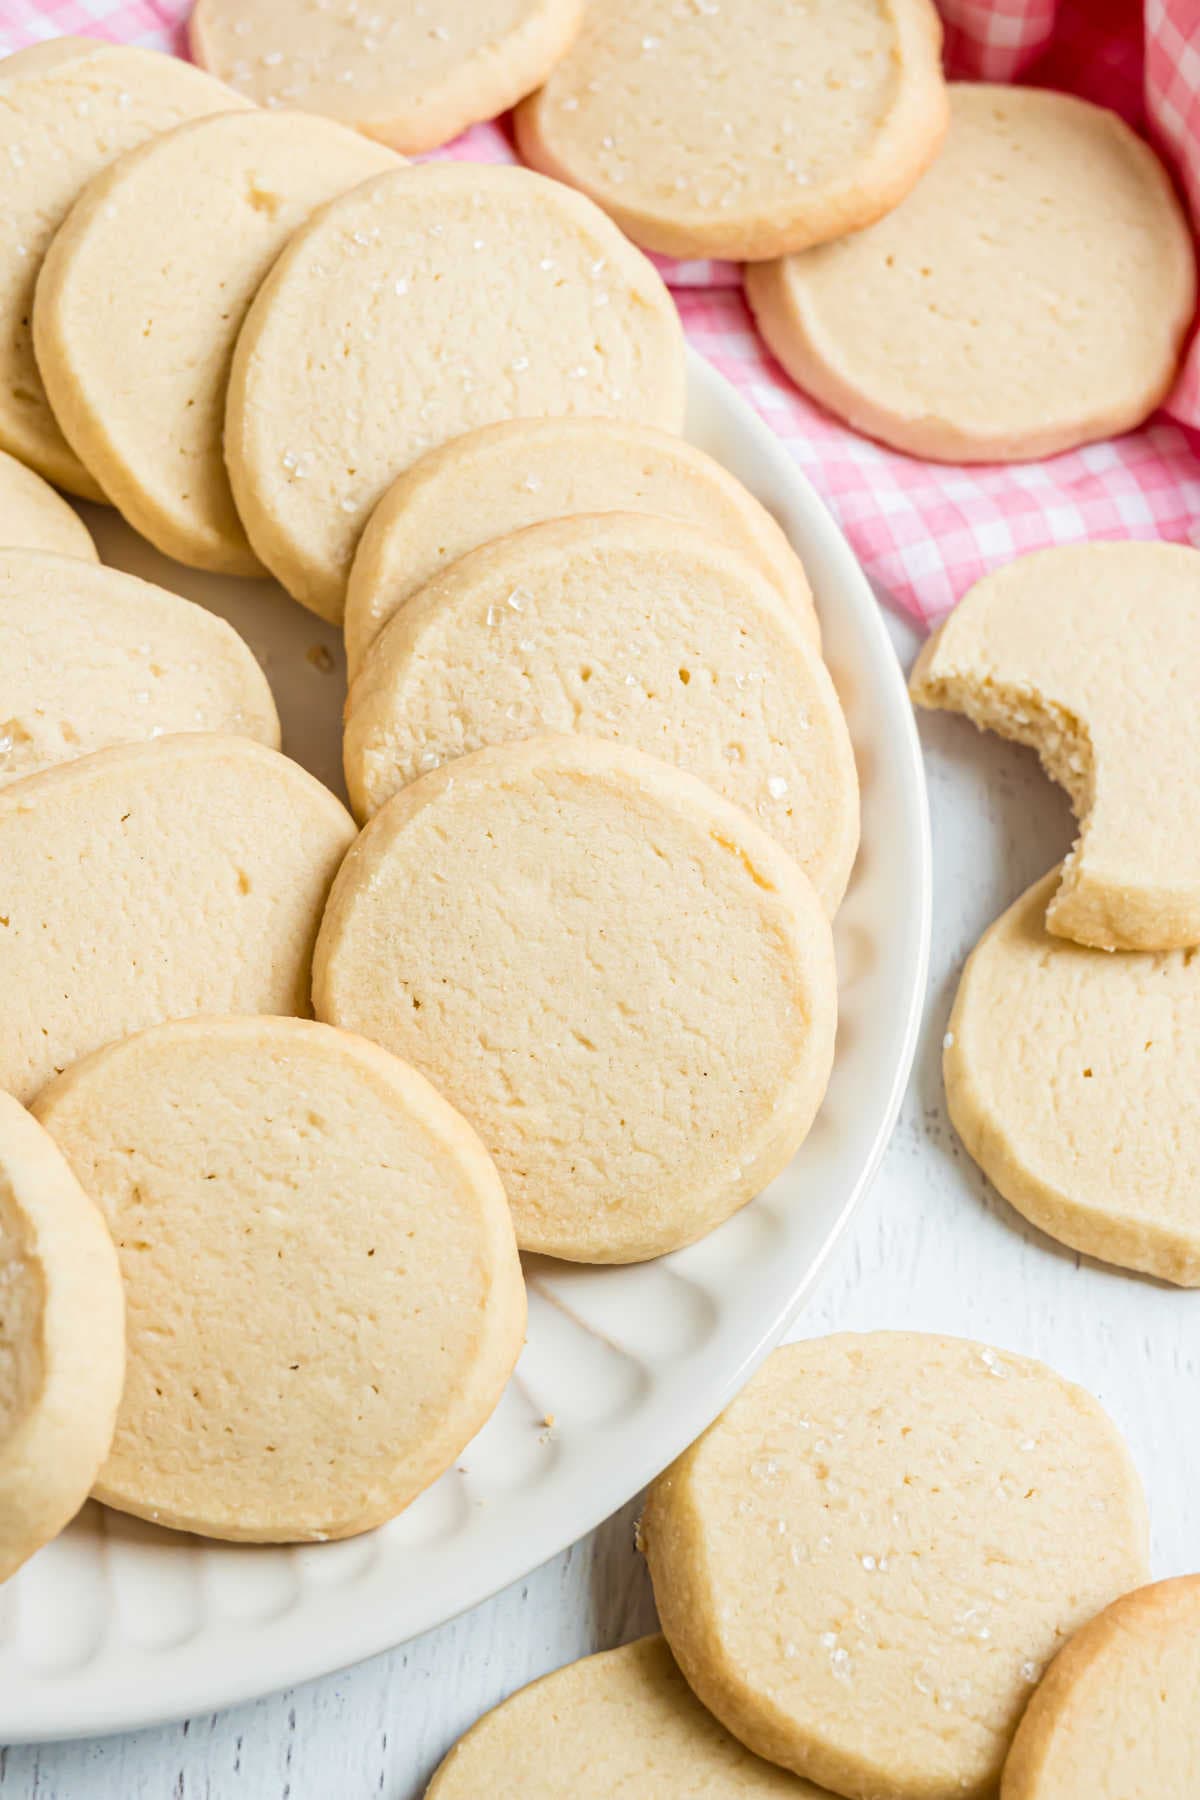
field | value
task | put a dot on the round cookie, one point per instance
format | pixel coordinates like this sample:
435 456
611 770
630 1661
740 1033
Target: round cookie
504 477
737 131
429 301
155 881
62 1339
67 108
136 369
980 321
864 1565
33 516
1119 1710
1091 653
91 657
332 1250
1071 1078
621 626
551 931
396 73
622 1723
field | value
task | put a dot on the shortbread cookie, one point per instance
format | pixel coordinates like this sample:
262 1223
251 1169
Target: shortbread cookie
642 630
91 657
325 1300
67 108
1071 1078
35 517
399 71
1118 1713
710 130
504 477
429 301
155 881
864 1565
980 321
1092 654
623 1723
62 1339
623 983
136 369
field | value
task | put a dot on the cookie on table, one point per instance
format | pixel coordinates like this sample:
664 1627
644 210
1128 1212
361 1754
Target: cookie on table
1119 1709
621 1723
67 108
637 629
549 930
136 369
748 132
980 321
1071 1078
155 881
324 1294
409 74
62 1339
91 657
1091 654
427 302
504 477
864 1565
33 516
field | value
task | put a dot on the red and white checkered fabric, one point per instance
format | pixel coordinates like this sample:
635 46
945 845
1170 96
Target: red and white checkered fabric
923 531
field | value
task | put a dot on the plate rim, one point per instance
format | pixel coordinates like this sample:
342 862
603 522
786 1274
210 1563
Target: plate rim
373 1636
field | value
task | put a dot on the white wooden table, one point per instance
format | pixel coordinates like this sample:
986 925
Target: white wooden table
931 1248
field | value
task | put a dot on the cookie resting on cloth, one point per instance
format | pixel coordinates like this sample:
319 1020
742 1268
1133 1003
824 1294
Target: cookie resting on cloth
981 321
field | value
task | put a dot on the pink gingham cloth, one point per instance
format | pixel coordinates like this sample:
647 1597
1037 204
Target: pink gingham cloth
923 531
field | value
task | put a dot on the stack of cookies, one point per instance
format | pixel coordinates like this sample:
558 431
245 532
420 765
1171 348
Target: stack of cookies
573 979
571 959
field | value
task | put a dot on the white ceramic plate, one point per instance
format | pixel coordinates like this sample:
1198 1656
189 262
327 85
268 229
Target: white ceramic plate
119 1625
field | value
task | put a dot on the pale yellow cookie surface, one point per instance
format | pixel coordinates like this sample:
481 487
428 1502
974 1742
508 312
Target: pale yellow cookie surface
727 130
1092 654
324 1294
618 978
409 73
523 472
864 1565
91 657
623 1723
1118 1714
1071 1078
67 108
136 369
980 320
62 1339
428 302
641 630
33 516
155 881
